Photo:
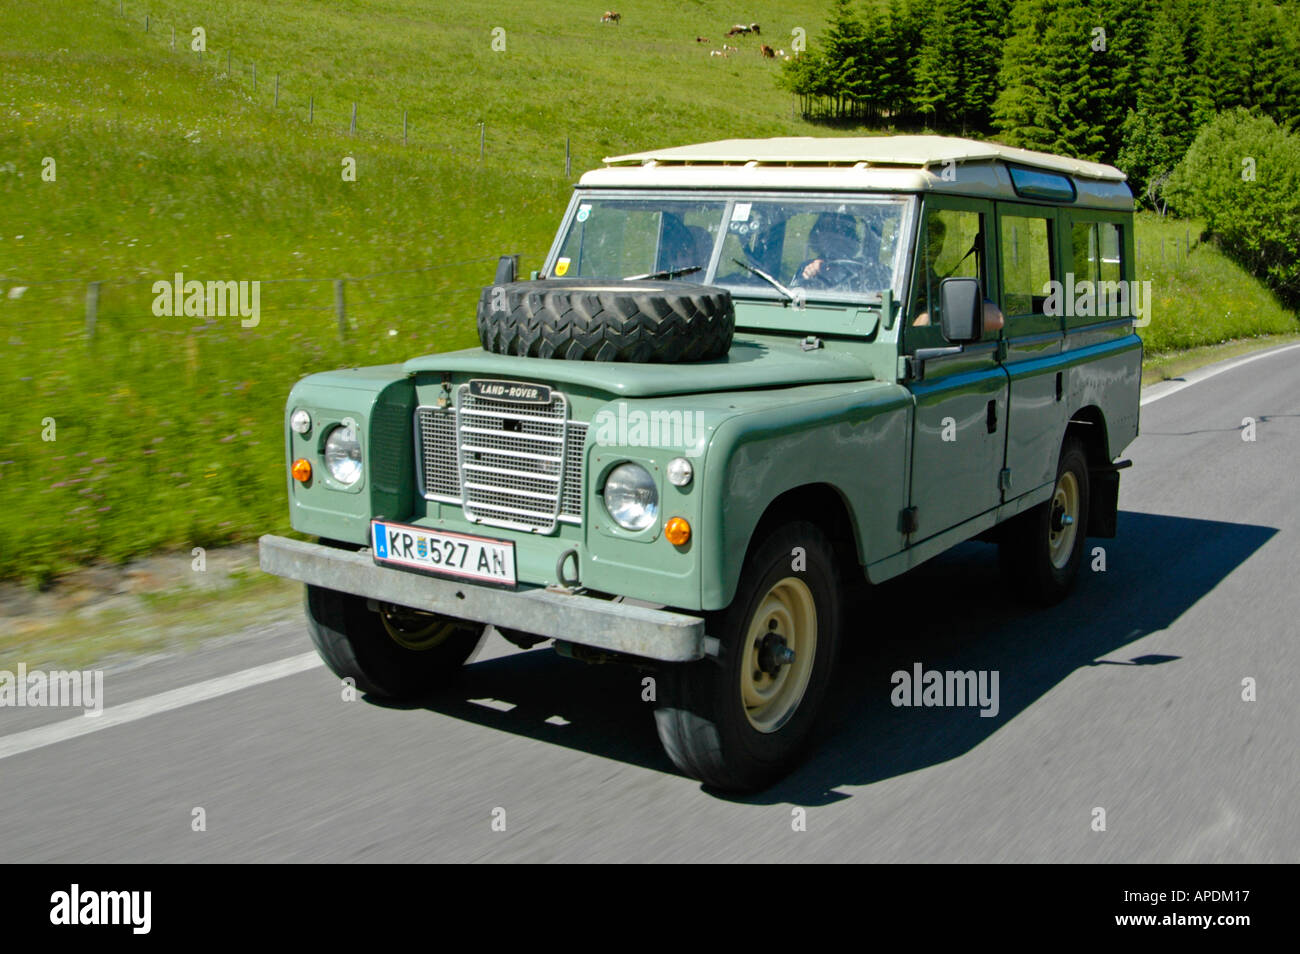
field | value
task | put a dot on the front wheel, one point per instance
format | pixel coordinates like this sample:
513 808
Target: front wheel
390 652
1041 549
741 720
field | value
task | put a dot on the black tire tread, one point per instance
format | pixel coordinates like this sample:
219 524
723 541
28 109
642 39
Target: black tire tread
580 320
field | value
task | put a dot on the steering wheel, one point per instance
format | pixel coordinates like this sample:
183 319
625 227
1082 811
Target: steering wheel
848 273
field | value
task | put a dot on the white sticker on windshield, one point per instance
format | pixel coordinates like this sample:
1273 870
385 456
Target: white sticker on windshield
741 212
583 212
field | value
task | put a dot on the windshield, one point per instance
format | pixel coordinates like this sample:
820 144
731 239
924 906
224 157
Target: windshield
811 247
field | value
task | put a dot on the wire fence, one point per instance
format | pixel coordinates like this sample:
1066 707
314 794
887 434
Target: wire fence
393 122
352 299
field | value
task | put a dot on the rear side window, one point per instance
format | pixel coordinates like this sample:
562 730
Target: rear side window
1026 264
1095 248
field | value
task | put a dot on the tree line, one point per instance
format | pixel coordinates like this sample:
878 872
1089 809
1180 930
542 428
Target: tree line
1128 82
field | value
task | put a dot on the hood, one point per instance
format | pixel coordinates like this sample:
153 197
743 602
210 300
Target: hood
766 363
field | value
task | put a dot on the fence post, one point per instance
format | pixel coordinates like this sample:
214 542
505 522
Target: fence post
311 107
354 117
339 310
277 89
146 23
173 38
92 309
482 138
403 127
566 157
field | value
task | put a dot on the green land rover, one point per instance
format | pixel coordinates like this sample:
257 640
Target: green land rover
749 377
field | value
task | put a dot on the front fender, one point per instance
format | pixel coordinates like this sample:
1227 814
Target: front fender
850 437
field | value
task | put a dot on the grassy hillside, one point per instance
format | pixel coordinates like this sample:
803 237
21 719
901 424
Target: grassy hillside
167 430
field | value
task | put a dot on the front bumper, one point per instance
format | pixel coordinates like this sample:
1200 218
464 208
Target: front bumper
572 617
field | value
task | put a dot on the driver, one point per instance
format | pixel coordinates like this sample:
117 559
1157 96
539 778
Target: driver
833 242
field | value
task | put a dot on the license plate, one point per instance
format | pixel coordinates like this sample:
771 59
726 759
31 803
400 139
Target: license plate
443 553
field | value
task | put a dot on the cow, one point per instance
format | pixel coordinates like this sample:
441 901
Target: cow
767 52
718 53
701 39
738 29
611 17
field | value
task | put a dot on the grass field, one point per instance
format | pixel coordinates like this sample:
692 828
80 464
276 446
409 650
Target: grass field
167 430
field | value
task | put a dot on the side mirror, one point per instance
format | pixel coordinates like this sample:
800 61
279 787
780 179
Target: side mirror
961 305
507 268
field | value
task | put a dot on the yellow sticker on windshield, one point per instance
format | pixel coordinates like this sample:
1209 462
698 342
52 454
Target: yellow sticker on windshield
561 266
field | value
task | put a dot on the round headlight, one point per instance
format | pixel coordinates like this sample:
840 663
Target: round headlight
343 454
631 496
680 472
300 421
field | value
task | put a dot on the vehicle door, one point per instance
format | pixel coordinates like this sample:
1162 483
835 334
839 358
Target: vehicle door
960 398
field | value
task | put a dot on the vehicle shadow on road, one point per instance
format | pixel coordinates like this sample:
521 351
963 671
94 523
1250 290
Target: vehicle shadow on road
955 612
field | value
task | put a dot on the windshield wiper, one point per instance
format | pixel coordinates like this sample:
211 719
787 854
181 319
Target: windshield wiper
666 273
767 278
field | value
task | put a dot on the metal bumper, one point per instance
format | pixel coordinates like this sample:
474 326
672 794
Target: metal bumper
604 624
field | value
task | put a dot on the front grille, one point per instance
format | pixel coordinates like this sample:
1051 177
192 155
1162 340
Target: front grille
571 497
435 453
507 463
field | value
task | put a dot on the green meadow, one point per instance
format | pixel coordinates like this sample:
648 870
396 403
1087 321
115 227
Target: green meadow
165 432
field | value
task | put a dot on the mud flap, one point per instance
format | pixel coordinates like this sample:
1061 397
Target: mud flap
1103 501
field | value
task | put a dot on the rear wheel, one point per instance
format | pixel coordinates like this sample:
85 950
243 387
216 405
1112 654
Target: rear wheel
392 652
1041 550
741 720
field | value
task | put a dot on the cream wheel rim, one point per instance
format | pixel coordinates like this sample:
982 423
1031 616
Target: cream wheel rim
780 648
1063 523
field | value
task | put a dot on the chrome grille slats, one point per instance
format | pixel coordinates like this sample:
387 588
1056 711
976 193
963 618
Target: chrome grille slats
507 463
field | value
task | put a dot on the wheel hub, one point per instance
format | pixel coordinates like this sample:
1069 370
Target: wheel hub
773 653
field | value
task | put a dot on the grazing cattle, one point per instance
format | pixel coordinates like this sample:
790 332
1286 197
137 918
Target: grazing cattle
753 28
737 30
611 17
781 53
718 53
767 52
701 39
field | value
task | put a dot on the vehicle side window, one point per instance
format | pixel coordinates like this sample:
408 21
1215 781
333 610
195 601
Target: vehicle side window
1026 264
1095 257
949 245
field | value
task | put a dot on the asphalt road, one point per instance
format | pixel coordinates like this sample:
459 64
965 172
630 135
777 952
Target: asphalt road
1127 697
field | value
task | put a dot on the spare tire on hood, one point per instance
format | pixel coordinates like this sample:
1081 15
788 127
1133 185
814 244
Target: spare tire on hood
603 320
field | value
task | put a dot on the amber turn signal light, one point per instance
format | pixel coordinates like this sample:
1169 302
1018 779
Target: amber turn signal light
301 470
678 531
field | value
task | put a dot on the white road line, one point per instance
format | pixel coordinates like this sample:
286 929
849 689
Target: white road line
21 742
1213 371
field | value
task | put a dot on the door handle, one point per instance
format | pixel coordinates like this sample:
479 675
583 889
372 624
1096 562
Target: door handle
993 416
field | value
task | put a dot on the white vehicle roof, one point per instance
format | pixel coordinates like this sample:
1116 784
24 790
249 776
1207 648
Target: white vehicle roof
876 163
